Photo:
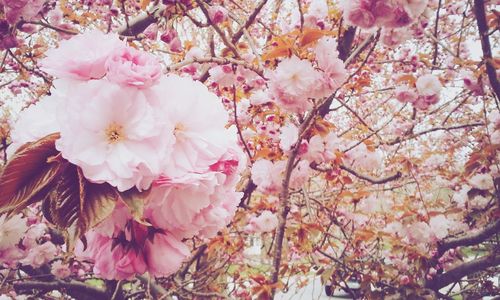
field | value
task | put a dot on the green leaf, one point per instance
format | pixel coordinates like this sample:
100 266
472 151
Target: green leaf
134 200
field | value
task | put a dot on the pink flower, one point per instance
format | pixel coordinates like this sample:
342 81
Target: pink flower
199 120
11 230
404 94
34 122
151 32
288 137
193 204
268 175
40 255
217 14
26 10
117 262
223 75
419 232
291 84
164 254
60 270
358 13
415 7
82 57
428 85
395 37
116 134
439 225
132 67
404 280
265 222
482 181
334 72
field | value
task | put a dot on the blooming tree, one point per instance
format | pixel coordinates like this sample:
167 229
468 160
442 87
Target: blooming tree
147 146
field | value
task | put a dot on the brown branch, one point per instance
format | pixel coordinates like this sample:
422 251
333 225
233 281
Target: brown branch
73 288
412 136
248 23
370 179
455 274
217 60
217 29
482 25
436 27
470 239
141 22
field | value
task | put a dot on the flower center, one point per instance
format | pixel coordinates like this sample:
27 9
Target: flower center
114 133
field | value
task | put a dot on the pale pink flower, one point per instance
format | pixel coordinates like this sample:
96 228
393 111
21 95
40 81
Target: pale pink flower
223 75
315 149
481 181
428 85
395 37
326 52
288 137
268 175
60 270
292 82
55 16
11 230
116 134
195 203
40 255
361 157
82 57
128 66
419 232
334 72
265 222
34 122
260 97
300 175
439 225
316 13
415 7
199 120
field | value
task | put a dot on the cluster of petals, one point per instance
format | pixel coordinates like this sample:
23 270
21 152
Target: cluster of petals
296 82
382 13
23 243
16 10
265 222
426 92
126 124
268 175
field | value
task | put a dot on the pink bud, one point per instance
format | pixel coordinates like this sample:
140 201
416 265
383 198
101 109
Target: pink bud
404 280
217 14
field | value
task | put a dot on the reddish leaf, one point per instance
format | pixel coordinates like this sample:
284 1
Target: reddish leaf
27 176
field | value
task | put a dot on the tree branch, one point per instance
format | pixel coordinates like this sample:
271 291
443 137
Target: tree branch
463 270
248 23
142 21
470 239
370 179
73 288
482 25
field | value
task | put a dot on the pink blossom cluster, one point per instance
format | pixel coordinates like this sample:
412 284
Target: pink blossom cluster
426 93
25 241
382 13
126 124
295 82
